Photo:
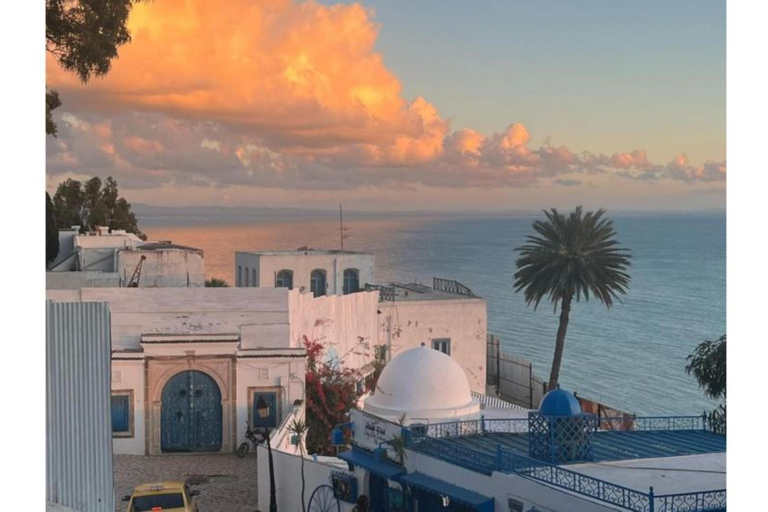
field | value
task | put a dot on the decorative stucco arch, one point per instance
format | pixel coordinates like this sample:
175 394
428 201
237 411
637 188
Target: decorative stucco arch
160 371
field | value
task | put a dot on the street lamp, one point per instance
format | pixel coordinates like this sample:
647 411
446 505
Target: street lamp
262 409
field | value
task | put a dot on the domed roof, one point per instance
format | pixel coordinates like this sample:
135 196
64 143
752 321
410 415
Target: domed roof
559 402
423 384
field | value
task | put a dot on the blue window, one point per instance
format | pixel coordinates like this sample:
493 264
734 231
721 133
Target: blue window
284 279
264 411
121 414
317 282
351 281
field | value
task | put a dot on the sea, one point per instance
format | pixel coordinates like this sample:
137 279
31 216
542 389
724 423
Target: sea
631 357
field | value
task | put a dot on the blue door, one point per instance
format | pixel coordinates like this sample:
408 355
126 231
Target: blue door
191 413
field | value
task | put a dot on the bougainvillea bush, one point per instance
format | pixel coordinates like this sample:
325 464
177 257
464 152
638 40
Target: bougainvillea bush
331 391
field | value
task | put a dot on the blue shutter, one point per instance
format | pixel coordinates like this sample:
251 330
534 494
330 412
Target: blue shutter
121 413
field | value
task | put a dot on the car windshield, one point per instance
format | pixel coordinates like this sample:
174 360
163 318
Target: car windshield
157 502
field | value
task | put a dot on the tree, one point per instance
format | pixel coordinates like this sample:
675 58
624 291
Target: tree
83 36
707 364
92 204
299 428
215 282
570 257
51 233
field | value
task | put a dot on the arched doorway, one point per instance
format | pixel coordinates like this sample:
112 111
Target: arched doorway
191 413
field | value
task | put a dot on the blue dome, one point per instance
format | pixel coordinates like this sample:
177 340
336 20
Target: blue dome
559 402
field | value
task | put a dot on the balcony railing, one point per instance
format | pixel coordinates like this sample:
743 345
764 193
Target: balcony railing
386 293
451 286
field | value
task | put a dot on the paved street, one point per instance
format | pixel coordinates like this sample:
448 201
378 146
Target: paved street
231 482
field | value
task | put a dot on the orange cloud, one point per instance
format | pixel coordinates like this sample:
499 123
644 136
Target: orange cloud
283 94
300 74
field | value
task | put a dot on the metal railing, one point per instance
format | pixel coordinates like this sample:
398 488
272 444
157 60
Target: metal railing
386 293
451 286
648 423
421 438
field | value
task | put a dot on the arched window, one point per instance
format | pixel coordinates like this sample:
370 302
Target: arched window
317 282
351 281
254 281
247 277
284 279
239 275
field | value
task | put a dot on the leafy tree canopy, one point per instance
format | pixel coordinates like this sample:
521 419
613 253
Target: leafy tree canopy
215 282
83 36
93 203
707 364
51 233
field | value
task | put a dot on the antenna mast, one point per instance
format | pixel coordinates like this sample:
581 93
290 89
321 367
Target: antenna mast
342 229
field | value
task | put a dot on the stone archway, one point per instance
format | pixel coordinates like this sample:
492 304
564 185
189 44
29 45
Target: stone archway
160 372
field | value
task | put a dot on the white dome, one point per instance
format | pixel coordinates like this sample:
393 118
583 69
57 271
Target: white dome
424 384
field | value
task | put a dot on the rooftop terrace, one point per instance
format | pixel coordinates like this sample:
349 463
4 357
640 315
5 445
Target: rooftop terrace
680 457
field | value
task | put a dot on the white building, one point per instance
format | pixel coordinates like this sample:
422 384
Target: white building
322 272
214 352
110 259
472 455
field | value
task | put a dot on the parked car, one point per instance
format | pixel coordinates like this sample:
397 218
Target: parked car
165 496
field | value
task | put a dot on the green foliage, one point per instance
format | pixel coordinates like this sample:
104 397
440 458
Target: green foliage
83 36
398 446
215 282
572 256
92 204
51 232
707 364
52 102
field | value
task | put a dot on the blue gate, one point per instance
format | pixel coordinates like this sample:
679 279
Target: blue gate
191 413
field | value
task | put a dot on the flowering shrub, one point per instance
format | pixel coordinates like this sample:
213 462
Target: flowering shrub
331 391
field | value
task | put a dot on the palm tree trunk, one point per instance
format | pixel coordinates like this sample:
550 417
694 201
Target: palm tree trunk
565 310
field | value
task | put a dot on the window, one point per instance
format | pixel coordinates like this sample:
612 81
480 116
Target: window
122 414
442 344
317 282
158 502
247 277
284 279
254 281
264 398
351 281
239 276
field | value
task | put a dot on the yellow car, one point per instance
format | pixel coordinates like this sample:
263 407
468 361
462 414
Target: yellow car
165 496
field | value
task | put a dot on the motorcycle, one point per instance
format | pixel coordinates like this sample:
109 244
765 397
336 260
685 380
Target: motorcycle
251 435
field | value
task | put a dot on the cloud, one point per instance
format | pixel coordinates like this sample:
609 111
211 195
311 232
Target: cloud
567 183
289 95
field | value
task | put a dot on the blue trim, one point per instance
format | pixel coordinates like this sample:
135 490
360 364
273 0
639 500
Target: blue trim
478 501
364 459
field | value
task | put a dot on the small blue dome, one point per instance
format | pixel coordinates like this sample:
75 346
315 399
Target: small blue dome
559 402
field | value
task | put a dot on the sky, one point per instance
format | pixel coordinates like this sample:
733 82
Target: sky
432 105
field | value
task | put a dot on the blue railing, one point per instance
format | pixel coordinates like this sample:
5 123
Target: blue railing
520 425
420 438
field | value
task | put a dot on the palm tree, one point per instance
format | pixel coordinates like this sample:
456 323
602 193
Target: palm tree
569 257
299 428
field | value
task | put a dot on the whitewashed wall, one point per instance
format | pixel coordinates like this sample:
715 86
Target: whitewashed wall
408 324
286 375
74 280
163 267
302 266
128 375
137 311
340 322
287 469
